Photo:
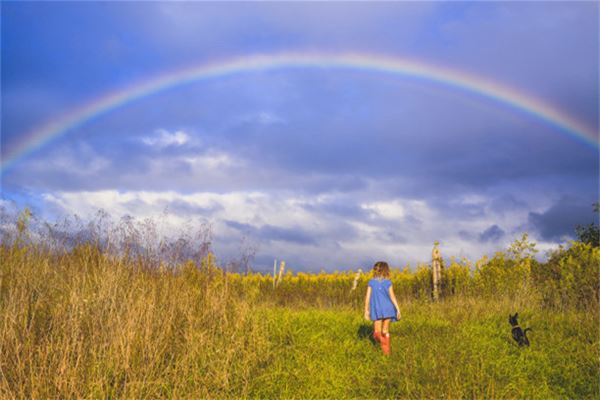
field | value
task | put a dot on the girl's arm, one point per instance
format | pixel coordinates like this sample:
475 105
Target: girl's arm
367 300
395 302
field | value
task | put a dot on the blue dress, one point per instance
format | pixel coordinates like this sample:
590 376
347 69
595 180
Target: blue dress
380 305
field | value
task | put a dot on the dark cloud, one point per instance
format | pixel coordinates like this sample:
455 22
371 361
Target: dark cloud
492 234
507 202
274 233
459 207
318 153
561 218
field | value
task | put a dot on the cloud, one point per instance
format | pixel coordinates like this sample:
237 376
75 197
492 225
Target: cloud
337 206
387 209
164 138
493 234
559 221
210 161
302 229
270 233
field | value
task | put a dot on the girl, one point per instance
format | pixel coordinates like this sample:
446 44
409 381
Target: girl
381 305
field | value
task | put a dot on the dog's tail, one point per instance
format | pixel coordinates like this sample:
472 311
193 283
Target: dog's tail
525 330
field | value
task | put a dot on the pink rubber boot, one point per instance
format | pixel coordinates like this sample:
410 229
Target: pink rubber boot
385 343
377 336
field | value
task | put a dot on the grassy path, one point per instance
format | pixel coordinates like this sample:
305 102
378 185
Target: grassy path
437 351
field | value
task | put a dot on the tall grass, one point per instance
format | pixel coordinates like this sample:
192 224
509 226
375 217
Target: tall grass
85 324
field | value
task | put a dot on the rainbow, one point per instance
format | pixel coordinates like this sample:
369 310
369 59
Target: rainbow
511 97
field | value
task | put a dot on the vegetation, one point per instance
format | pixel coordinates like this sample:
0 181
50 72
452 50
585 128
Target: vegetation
85 321
590 233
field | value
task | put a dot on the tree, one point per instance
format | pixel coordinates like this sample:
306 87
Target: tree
522 248
590 233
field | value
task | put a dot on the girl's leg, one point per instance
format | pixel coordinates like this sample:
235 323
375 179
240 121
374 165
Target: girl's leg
378 325
386 326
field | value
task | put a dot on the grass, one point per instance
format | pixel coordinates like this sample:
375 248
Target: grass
84 324
439 350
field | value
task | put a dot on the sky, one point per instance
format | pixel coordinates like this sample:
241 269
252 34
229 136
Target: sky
326 168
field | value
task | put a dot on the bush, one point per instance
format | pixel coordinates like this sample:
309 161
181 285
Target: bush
457 278
570 277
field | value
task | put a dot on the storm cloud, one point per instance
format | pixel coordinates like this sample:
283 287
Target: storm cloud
561 219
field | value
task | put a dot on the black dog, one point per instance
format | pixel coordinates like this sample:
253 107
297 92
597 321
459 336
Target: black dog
520 335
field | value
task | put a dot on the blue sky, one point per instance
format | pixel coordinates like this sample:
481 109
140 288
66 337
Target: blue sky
325 169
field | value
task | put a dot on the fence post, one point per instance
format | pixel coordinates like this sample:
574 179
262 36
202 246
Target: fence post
274 272
436 270
281 269
355 283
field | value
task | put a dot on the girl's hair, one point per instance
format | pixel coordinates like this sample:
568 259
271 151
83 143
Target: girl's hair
381 269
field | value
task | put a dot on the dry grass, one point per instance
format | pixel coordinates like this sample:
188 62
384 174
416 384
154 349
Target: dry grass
87 325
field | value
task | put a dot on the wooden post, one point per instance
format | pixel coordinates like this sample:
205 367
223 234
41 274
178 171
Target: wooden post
355 283
281 270
436 270
274 272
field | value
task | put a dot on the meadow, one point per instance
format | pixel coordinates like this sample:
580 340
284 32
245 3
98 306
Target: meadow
87 322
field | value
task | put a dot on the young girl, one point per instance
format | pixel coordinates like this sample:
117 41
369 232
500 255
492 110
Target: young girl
381 305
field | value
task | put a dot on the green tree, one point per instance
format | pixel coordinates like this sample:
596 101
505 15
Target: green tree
522 248
590 233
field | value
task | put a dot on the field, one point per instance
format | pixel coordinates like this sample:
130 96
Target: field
455 349
85 323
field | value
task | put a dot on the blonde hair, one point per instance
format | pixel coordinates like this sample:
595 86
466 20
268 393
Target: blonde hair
381 269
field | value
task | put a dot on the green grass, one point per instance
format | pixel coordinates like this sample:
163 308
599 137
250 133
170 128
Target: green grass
437 351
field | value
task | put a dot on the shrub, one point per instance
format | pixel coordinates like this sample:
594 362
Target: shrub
570 277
